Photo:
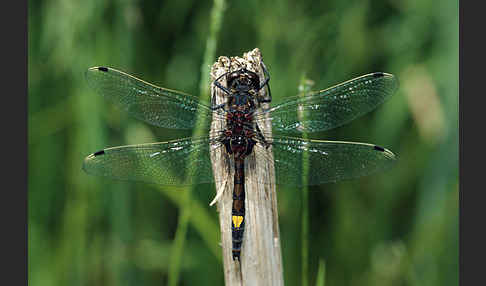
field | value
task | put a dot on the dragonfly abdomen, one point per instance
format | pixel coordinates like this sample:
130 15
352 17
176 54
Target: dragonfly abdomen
238 210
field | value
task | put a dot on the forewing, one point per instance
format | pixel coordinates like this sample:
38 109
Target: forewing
332 107
179 162
155 105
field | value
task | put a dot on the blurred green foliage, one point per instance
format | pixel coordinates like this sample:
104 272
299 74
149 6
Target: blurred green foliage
395 228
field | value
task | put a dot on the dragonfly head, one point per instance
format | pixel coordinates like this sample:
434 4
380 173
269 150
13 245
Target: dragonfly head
243 81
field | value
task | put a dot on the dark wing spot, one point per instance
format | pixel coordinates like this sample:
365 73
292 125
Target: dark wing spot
378 148
99 153
103 69
378 74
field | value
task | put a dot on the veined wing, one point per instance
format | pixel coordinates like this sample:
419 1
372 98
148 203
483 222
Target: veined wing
328 161
155 105
179 162
332 107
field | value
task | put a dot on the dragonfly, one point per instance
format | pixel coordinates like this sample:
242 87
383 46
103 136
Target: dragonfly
187 161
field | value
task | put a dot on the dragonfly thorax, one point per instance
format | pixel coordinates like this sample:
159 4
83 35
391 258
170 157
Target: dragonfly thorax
242 98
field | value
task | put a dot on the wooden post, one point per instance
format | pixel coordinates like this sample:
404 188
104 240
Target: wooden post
261 260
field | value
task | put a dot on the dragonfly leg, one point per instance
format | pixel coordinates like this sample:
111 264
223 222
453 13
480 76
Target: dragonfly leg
249 146
265 83
218 84
261 137
216 107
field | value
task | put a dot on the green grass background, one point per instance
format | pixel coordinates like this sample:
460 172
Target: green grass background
395 228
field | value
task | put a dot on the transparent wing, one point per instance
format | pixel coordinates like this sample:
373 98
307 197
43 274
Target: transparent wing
179 162
327 161
332 107
187 161
155 105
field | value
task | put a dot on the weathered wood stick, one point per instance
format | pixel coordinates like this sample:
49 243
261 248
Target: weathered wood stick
261 260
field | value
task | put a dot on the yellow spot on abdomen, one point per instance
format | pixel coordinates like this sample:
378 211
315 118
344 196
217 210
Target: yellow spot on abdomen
237 220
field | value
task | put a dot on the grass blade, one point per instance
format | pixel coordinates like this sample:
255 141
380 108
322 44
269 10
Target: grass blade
209 55
304 88
321 273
